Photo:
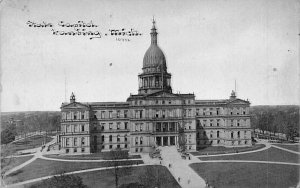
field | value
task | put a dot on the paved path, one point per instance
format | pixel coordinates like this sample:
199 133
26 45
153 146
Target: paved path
247 161
253 151
85 160
74 172
180 168
291 151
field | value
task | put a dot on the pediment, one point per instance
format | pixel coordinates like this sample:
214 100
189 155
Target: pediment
75 105
238 101
162 94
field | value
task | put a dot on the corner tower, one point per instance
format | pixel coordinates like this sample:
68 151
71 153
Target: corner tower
155 76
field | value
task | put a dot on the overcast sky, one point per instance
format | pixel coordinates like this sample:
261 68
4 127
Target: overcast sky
208 45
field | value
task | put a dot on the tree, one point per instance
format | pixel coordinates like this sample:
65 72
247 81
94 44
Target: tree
115 156
61 181
181 139
8 134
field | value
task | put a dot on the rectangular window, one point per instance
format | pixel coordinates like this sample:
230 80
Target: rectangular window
82 116
82 150
163 114
141 127
110 126
125 125
75 150
118 125
110 114
190 112
125 146
197 111
118 146
125 113
118 114
102 114
82 128
110 146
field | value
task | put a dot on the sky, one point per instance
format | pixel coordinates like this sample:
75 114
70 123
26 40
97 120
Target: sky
208 45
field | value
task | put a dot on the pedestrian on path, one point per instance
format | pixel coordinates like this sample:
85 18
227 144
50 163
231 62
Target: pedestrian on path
169 165
178 179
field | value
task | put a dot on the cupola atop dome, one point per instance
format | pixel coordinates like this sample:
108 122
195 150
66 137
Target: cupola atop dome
155 76
154 58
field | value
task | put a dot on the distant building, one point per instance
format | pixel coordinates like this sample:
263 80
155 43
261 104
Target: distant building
154 116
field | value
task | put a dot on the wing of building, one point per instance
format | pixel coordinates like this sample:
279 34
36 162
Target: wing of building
154 117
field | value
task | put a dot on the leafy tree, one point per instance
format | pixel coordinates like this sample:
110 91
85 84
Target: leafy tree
61 181
8 134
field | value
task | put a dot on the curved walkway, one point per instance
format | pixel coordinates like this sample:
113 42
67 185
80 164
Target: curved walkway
68 173
267 146
247 161
85 160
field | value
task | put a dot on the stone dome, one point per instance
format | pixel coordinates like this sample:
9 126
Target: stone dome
154 57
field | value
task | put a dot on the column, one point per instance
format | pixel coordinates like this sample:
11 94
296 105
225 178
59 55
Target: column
168 140
161 141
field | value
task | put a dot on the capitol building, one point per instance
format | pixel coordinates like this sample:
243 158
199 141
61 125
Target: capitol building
155 116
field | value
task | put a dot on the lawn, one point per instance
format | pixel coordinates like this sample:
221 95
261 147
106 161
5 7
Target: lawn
248 175
222 150
93 156
9 163
272 154
41 168
290 147
105 178
29 143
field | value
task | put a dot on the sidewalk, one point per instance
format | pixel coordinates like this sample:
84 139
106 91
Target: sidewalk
180 168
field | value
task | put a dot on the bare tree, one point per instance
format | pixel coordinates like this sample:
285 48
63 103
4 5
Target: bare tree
115 156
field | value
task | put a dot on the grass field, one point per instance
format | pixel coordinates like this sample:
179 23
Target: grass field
272 154
248 175
41 168
222 150
93 156
290 147
9 163
105 178
29 143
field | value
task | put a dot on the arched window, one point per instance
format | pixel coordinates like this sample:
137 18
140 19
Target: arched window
102 138
141 140
118 138
125 138
110 138
82 141
231 134
238 133
218 134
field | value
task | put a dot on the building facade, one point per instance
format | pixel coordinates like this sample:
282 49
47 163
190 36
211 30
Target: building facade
155 116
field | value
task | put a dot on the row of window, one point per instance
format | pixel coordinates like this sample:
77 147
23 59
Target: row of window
161 102
211 134
217 111
74 115
111 114
75 141
74 128
75 150
217 122
208 142
111 138
112 127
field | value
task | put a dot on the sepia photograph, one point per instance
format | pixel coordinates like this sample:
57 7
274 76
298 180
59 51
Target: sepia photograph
150 94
